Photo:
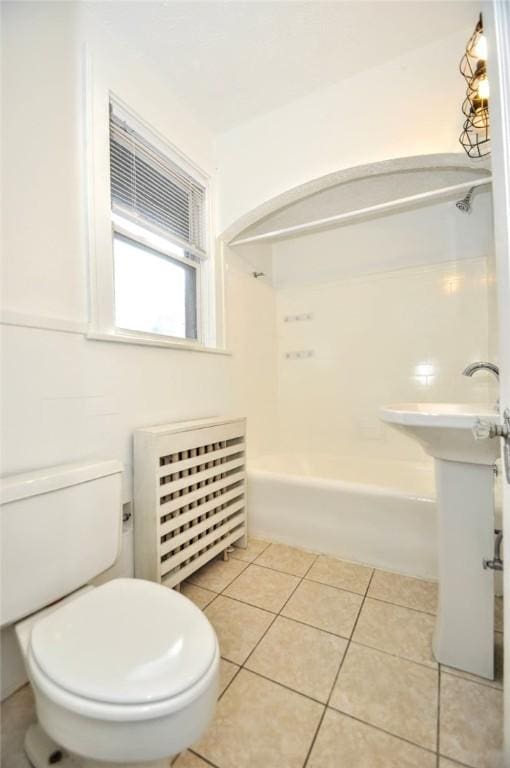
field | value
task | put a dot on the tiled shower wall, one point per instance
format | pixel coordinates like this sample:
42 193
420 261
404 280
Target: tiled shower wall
385 338
383 311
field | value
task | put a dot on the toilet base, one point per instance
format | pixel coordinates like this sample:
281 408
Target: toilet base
42 751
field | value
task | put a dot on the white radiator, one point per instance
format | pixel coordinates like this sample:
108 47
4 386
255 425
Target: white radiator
190 495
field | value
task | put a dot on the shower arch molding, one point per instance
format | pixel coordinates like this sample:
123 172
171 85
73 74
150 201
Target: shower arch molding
444 167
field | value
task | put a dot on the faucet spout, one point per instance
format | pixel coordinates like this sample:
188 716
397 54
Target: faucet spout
469 370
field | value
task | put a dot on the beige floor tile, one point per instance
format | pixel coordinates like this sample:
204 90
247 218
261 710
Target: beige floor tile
200 596
217 575
498 667
263 588
189 760
301 657
227 672
471 722
341 574
445 763
394 694
254 549
498 614
324 607
18 712
239 627
397 630
404 590
346 743
286 559
259 724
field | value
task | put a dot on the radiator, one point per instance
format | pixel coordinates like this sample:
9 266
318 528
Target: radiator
189 494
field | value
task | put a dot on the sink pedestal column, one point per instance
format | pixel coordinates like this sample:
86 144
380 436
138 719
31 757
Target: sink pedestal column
464 633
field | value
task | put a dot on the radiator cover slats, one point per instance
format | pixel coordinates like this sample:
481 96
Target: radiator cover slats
195 461
190 495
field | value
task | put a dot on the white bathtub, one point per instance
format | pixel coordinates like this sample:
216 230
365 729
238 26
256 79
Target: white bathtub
382 513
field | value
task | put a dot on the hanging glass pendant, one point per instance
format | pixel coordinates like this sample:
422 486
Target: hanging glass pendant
475 136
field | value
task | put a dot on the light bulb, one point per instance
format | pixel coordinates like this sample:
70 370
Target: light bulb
480 49
483 88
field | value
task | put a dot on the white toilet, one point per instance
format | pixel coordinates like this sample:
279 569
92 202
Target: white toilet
123 673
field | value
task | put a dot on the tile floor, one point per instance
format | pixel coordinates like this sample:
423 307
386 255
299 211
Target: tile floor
325 664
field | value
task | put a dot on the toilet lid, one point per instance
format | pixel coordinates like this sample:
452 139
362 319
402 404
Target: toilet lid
128 641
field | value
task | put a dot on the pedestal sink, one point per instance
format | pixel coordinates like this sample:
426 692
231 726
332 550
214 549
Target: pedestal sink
464 470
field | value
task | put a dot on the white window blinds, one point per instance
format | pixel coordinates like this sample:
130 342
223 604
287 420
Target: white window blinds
150 189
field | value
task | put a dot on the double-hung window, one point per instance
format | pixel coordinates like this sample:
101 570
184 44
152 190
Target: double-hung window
159 234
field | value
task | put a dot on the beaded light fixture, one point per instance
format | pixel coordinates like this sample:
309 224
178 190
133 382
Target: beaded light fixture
475 136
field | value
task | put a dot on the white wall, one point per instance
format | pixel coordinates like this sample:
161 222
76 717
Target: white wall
427 234
409 106
68 397
64 397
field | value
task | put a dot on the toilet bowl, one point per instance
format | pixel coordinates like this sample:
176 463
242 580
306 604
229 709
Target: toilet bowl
122 673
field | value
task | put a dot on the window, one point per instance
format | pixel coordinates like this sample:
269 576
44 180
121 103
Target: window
158 235
156 275
158 216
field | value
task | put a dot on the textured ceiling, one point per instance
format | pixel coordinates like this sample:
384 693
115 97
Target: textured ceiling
231 61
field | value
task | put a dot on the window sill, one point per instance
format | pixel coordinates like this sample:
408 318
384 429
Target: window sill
153 341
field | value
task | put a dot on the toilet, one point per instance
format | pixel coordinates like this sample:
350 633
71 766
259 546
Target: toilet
122 673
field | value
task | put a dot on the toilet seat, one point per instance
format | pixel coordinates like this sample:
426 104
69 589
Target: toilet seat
127 650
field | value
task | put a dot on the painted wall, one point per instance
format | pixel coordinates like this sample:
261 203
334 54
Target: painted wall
64 397
409 106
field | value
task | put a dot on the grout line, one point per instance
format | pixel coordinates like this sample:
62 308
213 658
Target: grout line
208 762
396 656
215 560
312 581
454 761
232 678
297 621
279 570
275 617
450 671
315 581
399 605
243 602
388 733
268 544
283 685
342 589
344 656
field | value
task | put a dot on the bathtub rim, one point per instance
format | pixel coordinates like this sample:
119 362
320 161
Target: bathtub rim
370 489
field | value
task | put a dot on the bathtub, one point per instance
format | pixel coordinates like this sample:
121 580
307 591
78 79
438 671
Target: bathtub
382 513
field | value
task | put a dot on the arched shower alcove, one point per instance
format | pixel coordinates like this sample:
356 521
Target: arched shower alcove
381 293
359 192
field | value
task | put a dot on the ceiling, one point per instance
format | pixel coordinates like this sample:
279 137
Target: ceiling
231 61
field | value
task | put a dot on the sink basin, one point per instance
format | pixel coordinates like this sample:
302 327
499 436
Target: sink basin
444 430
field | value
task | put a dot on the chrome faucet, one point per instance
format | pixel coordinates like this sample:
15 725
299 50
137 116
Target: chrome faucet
469 370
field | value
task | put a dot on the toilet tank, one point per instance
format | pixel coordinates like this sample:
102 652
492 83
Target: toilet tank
60 527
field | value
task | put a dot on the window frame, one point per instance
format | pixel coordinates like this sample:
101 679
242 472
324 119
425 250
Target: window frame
101 226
